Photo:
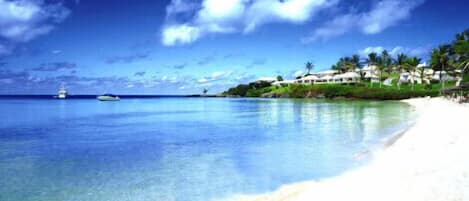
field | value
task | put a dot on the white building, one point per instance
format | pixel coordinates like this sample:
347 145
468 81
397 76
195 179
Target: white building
279 83
328 77
310 79
407 77
371 72
444 76
325 73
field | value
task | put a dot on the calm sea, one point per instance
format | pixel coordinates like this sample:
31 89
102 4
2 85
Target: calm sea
181 149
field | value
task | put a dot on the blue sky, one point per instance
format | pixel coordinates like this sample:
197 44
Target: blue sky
183 46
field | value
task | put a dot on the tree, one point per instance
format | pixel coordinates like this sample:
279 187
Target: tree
309 66
372 60
384 63
345 64
356 61
205 91
460 47
440 60
411 66
400 61
279 78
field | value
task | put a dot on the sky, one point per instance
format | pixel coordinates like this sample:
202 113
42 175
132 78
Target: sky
183 46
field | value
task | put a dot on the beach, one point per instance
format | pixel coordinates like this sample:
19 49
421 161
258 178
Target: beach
429 162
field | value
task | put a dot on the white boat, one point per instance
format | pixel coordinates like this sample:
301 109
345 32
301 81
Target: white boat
62 93
108 97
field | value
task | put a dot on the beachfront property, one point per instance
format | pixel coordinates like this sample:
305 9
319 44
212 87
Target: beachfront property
368 72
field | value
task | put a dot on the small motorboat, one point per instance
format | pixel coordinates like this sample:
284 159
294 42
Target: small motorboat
108 97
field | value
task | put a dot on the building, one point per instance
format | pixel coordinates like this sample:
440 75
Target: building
329 77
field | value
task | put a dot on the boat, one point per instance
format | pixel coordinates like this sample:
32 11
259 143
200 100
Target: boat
62 93
108 97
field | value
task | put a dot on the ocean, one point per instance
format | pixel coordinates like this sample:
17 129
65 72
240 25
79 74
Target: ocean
180 148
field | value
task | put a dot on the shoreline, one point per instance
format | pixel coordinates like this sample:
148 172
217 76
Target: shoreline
426 162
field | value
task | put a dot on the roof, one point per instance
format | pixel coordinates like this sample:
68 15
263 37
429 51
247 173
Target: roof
325 72
350 75
369 75
310 77
283 82
370 67
422 65
327 77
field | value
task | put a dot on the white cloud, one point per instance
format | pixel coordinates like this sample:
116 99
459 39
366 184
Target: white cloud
23 20
394 51
336 27
232 16
215 76
180 34
382 15
368 50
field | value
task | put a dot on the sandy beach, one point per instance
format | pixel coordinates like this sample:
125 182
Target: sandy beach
430 162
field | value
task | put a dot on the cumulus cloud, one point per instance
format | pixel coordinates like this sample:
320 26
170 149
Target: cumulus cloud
23 20
215 76
382 15
187 21
394 51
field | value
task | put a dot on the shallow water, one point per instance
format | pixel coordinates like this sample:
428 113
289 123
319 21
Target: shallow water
184 149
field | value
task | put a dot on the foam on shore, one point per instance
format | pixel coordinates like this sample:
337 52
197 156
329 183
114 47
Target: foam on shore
429 162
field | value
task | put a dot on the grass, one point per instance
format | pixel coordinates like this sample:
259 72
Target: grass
356 91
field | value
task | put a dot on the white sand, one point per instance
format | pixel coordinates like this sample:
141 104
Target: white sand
430 162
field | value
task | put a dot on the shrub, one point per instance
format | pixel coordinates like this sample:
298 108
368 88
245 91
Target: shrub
297 91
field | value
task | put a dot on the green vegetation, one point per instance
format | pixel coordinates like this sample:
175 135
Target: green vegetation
357 91
353 91
253 89
452 58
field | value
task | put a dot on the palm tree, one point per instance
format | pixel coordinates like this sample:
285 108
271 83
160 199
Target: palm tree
309 66
411 66
372 60
356 60
400 61
440 61
341 65
384 62
460 46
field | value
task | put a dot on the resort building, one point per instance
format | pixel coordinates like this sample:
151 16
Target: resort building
407 77
329 77
283 82
371 72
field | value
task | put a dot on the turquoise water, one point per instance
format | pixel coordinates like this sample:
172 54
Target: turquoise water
181 149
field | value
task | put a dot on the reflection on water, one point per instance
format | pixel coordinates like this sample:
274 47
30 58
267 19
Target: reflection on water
181 148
